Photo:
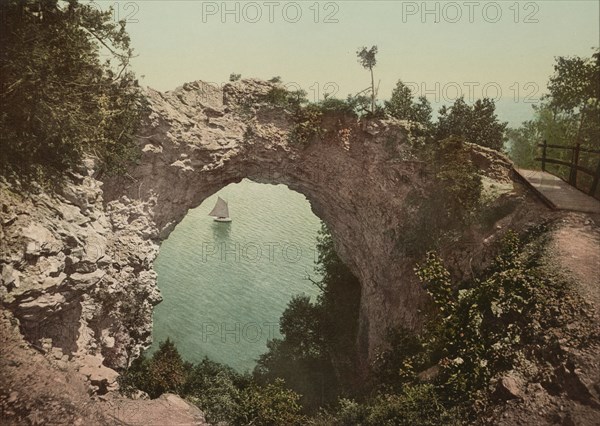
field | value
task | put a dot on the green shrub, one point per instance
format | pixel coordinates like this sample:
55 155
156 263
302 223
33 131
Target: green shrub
270 405
416 405
164 372
65 101
283 98
308 125
438 214
220 392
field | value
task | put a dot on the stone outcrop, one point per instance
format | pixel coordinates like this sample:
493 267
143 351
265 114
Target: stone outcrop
76 273
39 389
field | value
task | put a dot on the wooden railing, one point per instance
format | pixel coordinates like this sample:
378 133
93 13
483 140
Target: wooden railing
574 165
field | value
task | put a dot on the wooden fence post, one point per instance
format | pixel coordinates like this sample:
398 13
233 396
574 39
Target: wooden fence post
595 181
574 164
544 155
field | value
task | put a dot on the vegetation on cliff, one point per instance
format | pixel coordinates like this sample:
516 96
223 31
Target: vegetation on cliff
477 123
60 98
223 394
482 332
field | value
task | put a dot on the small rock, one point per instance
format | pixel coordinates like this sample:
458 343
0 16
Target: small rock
10 277
83 281
13 397
46 344
57 353
430 374
509 387
61 365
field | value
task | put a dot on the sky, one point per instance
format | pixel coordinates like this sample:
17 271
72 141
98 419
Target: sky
443 49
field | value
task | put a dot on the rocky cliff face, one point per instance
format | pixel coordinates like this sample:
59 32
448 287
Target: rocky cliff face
78 273
77 265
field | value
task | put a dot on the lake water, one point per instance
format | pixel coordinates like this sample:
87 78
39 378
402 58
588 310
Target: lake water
225 285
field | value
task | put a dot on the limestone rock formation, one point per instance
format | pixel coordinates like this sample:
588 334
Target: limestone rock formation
199 138
78 275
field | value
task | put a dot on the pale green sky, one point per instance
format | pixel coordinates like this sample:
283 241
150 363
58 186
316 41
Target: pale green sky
179 41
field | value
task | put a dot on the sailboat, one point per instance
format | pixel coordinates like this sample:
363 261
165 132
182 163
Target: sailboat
221 211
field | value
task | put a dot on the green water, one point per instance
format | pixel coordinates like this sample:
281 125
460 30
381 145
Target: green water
225 285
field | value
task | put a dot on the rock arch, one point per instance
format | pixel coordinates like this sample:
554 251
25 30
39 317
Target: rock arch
199 138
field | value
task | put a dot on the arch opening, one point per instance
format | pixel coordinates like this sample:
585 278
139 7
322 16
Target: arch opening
225 285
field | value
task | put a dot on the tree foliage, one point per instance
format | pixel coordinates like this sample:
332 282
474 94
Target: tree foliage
451 201
368 59
270 405
59 99
317 355
403 107
164 372
221 393
477 123
574 90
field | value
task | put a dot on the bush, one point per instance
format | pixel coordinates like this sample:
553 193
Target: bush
280 97
164 372
307 127
439 213
477 123
215 389
481 327
221 393
270 405
417 405
64 101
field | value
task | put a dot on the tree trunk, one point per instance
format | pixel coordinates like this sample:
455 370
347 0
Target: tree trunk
372 92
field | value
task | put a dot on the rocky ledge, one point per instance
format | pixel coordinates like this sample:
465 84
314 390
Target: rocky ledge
78 273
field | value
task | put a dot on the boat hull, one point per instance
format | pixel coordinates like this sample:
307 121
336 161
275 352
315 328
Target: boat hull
222 219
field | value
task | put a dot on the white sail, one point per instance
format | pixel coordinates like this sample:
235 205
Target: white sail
220 209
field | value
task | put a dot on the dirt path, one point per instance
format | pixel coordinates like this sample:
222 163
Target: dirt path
576 245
